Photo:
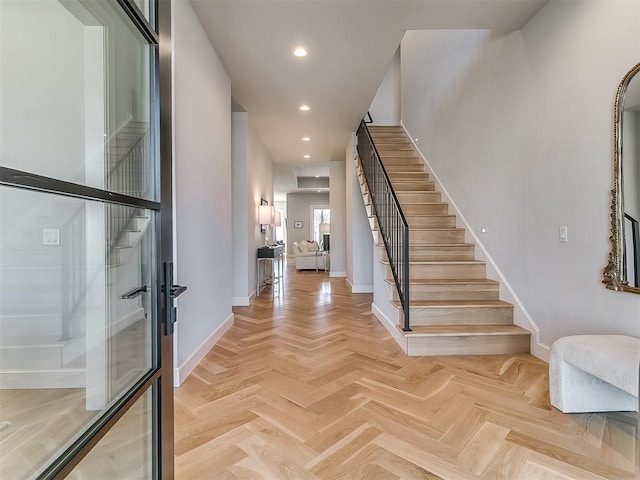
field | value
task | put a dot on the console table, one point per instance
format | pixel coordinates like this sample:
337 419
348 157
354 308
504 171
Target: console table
274 254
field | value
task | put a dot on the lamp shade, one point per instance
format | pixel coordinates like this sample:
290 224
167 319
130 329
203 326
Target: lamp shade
265 214
325 228
277 219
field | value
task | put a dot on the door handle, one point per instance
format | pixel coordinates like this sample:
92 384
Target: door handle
136 292
174 291
177 290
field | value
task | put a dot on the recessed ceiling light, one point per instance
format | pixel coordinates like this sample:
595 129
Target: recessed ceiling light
317 176
304 108
306 139
300 52
307 156
319 191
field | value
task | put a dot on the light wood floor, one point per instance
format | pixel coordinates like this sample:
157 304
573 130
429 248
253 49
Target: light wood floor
309 385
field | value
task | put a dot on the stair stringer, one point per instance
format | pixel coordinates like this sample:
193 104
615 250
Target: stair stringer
521 316
381 307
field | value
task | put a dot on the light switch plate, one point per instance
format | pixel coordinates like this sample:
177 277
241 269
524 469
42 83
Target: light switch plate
564 234
51 236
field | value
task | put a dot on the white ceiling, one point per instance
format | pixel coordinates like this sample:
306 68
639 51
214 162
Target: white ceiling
350 43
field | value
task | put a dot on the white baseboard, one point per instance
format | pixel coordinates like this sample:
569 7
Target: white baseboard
55 378
541 351
521 316
337 274
359 288
240 301
181 372
391 327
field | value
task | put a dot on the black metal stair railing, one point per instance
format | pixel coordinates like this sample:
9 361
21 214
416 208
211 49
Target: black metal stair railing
392 223
130 175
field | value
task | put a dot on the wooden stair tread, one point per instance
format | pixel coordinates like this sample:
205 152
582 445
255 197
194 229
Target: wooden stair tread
436 245
448 281
454 303
434 229
427 215
439 262
466 330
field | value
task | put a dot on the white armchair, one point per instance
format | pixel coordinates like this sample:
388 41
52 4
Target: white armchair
308 256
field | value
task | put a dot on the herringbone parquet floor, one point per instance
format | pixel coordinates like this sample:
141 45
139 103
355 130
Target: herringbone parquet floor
310 386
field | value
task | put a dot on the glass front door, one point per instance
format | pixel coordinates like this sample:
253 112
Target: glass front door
83 347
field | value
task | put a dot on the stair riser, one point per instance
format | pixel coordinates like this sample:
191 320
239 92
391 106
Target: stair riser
384 129
432 222
393 139
400 161
425 208
436 236
414 186
20 299
383 146
428 255
468 345
446 270
462 316
36 257
404 168
385 154
451 292
36 279
407 198
433 237
27 358
408 177
23 325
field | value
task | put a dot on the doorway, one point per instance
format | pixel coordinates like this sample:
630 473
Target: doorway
320 215
85 191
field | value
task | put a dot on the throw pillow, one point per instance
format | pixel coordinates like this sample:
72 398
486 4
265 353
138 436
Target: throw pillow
312 246
302 246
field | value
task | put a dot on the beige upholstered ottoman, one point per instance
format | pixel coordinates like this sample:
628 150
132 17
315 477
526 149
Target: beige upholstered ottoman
594 373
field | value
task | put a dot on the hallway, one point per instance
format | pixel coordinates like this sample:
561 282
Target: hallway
309 385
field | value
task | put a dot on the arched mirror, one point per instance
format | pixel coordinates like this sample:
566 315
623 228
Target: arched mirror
623 270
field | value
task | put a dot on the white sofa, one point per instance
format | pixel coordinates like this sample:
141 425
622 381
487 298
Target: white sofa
308 256
594 373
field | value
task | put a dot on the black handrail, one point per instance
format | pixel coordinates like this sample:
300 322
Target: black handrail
392 223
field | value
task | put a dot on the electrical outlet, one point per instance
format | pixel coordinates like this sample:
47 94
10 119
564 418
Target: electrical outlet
483 229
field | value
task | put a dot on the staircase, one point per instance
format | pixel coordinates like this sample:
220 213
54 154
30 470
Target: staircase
43 305
454 309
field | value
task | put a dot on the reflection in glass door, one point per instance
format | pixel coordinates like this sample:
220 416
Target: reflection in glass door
81 344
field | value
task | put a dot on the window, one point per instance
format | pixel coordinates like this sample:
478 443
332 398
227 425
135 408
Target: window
319 214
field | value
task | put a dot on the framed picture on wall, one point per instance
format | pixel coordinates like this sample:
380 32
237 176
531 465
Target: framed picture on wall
297 224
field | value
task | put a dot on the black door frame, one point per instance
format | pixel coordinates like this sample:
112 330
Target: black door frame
162 375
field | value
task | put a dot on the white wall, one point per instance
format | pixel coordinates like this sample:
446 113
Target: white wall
337 203
240 208
385 108
42 93
252 181
202 123
518 127
359 239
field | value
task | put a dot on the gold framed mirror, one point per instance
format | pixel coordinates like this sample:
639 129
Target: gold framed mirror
622 272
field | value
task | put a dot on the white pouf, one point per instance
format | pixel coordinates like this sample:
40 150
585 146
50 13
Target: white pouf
594 373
